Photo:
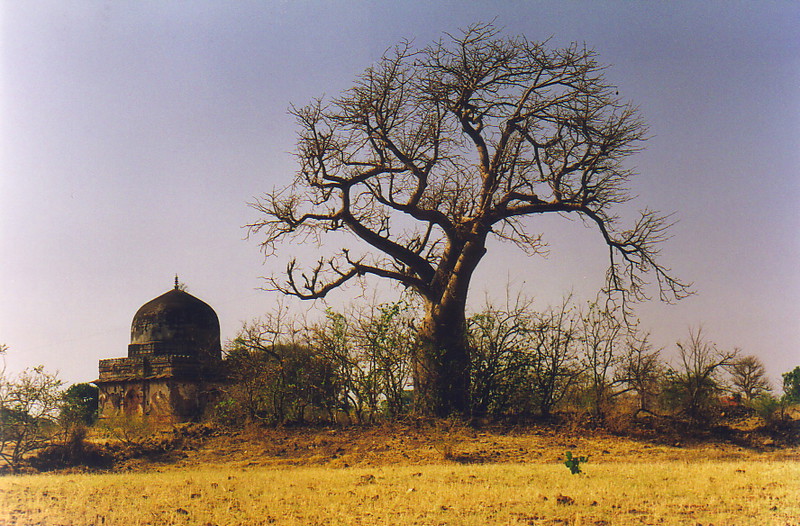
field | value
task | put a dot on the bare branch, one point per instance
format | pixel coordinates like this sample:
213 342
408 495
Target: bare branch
433 150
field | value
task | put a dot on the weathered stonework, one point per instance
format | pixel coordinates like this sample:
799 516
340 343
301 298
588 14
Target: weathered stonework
172 370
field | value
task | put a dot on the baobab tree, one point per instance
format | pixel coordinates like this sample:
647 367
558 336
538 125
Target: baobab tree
432 152
749 377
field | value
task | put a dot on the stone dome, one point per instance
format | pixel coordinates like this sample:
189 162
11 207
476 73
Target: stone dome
176 323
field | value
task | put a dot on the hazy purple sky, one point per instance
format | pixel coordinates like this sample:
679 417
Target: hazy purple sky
134 134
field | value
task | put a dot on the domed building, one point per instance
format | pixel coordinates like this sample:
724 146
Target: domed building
172 369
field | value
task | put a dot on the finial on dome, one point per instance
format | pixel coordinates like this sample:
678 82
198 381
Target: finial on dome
176 282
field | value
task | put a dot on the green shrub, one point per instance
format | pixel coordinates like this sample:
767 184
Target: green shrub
574 463
791 385
79 404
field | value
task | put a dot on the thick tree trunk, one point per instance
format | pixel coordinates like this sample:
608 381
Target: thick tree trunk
442 360
441 364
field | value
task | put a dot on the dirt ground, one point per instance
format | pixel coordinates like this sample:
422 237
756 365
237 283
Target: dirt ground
432 443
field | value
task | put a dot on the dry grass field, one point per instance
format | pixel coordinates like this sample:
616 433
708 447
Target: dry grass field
714 492
400 475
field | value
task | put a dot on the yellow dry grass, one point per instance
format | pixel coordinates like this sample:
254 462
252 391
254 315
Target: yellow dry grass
720 492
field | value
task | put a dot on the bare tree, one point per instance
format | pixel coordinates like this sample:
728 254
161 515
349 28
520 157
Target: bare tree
749 377
642 370
601 341
695 383
551 363
29 407
434 151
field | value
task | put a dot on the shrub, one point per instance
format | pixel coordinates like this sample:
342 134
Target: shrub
791 386
129 430
574 463
29 405
498 376
768 408
79 405
370 350
693 387
75 451
275 386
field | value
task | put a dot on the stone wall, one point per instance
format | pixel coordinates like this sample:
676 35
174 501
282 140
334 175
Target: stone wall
158 400
146 366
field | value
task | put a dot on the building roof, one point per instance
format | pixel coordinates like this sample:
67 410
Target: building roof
176 323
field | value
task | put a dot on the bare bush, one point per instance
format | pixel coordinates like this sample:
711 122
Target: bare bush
499 339
29 408
694 385
642 371
602 339
371 351
552 358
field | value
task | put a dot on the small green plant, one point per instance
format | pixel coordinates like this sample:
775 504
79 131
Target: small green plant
574 463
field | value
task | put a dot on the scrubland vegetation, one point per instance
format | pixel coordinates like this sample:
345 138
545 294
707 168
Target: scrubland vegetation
357 366
583 364
316 425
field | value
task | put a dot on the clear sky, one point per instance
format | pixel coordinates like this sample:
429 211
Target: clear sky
133 134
